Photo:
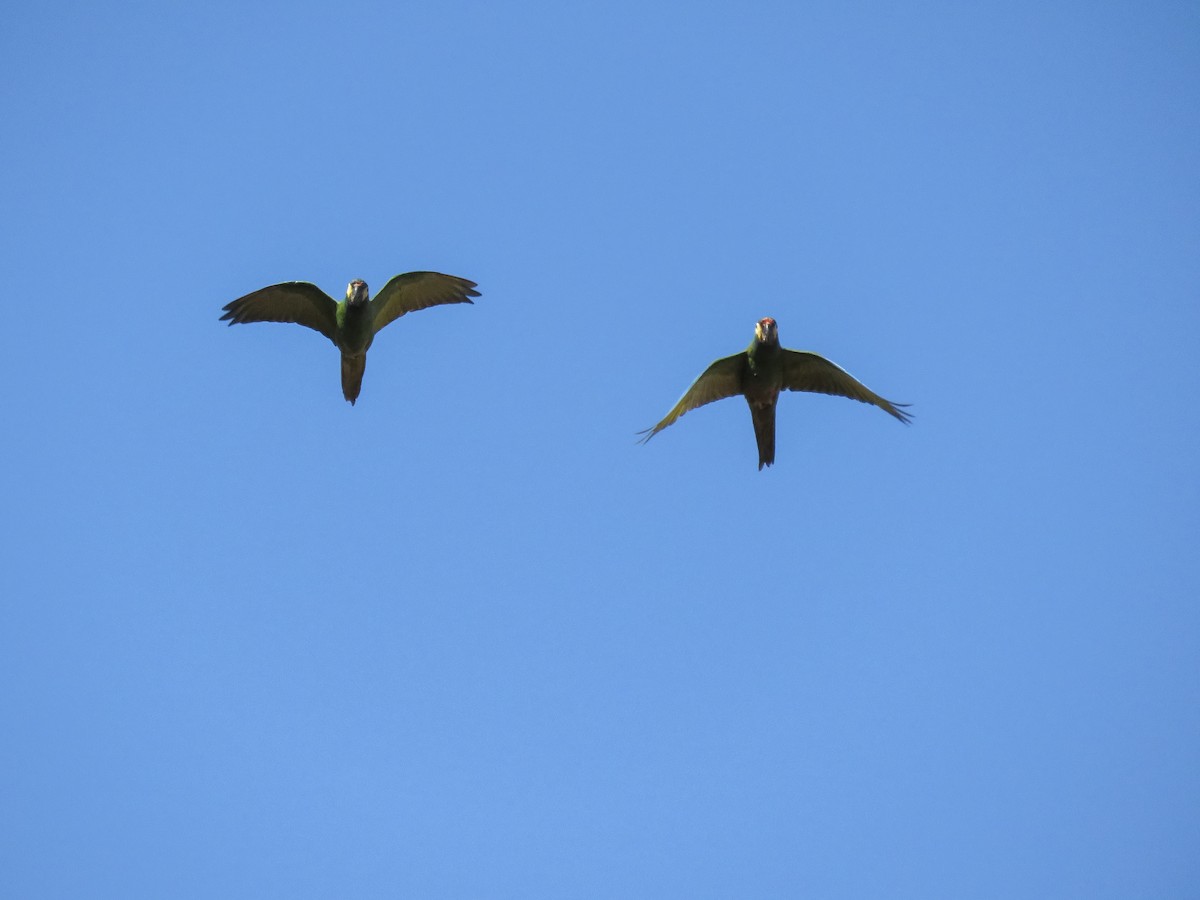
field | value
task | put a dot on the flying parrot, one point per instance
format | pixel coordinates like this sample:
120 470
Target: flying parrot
759 373
353 323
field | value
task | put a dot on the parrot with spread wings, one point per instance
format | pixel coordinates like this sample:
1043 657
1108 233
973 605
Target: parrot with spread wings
353 323
759 373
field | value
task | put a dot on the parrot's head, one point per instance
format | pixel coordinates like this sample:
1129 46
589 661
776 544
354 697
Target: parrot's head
356 292
765 333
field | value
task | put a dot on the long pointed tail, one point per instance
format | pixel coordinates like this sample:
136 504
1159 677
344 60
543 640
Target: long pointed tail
352 375
764 433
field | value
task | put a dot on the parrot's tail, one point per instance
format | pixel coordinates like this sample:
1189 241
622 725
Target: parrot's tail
764 432
352 375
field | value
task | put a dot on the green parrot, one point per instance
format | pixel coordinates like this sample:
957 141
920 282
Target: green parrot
759 373
353 323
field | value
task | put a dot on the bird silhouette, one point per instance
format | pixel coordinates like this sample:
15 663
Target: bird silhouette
759 373
353 323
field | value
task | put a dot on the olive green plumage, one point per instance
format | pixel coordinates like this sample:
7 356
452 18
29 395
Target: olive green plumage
759 373
353 323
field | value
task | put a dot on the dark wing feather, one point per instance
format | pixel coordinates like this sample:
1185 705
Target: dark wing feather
417 290
803 371
293 301
720 380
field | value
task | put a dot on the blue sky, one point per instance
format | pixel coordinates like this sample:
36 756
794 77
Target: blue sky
466 638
